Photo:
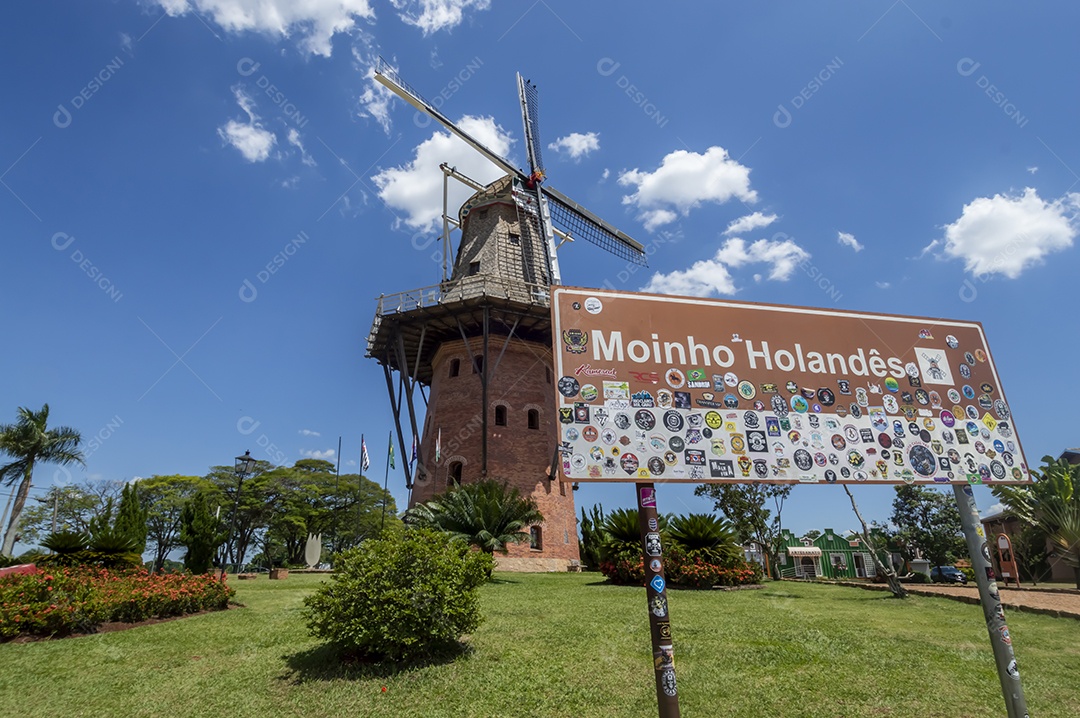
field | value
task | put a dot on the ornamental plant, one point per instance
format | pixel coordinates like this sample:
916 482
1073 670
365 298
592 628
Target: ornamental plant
401 598
67 600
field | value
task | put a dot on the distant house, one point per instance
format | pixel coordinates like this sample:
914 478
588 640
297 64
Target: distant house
831 555
1006 523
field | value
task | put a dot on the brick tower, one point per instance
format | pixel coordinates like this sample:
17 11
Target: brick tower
478 348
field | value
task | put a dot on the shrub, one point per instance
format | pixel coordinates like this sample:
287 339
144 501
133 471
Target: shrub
918 578
70 600
401 598
690 569
969 573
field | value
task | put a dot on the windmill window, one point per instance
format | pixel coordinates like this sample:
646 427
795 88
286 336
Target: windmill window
474 268
536 538
534 419
515 238
453 474
478 365
500 415
455 367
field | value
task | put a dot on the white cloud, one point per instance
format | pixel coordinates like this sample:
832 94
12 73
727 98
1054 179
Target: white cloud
576 144
686 179
252 140
434 15
376 98
750 222
848 240
294 140
416 188
882 285
1006 234
607 173
1032 170
308 432
998 508
324 455
313 22
654 218
712 276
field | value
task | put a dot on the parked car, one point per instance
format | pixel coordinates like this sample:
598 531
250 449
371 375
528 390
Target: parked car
947 574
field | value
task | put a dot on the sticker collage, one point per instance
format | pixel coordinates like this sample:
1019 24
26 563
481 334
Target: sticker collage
942 421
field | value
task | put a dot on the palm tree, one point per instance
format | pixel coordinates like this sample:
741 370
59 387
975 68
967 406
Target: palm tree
706 535
487 514
28 441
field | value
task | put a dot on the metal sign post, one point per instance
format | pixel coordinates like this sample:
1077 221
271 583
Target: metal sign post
667 696
993 612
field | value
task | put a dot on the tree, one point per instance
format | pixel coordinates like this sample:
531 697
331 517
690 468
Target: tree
1050 504
487 514
200 532
929 521
163 498
888 572
591 535
706 536
72 507
811 534
28 442
744 505
131 518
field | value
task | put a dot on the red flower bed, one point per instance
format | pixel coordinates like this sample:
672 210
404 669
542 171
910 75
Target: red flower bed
681 569
78 600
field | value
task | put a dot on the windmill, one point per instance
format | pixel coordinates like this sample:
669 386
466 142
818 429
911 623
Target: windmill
531 194
476 348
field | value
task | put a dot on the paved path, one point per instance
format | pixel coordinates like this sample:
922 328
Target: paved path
1054 603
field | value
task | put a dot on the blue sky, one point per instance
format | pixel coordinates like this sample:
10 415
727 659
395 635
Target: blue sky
201 199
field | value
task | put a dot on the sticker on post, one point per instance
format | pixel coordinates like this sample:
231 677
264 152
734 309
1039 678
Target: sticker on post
648 497
667 682
657 584
652 544
664 658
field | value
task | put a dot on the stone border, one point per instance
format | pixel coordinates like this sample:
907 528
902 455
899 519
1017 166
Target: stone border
974 600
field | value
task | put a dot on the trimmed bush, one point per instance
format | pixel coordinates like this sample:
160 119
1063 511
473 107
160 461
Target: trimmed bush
78 600
401 598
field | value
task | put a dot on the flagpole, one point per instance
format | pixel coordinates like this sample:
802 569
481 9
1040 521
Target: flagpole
386 479
337 497
359 481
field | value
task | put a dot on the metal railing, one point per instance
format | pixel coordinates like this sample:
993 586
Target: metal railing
463 289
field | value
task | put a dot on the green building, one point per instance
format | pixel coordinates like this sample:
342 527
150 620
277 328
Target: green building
831 555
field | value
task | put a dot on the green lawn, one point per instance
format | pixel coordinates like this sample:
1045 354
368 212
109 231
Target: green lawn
563 645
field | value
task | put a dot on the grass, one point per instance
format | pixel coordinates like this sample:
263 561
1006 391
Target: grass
563 645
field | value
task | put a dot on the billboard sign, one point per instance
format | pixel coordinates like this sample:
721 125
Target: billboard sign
664 388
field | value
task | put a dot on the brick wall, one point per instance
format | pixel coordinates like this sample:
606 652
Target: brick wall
517 454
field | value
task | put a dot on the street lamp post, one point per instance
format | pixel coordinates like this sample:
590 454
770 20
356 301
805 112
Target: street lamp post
243 467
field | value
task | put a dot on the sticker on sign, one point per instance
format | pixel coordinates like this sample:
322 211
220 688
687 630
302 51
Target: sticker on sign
739 392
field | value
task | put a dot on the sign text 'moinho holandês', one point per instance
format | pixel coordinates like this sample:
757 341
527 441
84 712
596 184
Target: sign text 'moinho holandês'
610 347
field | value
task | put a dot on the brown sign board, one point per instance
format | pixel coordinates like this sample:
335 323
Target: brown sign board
683 389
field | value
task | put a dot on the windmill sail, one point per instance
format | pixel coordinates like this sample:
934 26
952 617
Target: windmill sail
550 204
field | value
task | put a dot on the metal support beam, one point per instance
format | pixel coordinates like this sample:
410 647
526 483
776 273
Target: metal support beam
667 695
993 612
410 382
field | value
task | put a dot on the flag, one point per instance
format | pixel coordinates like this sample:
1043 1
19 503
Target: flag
438 446
412 460
365 460
391 459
